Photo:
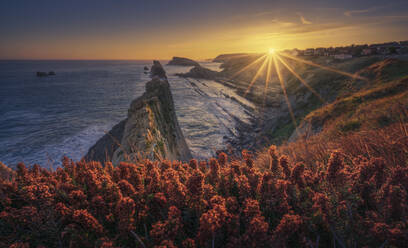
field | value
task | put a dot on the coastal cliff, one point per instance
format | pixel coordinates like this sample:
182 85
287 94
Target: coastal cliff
151 129
183 62
199 72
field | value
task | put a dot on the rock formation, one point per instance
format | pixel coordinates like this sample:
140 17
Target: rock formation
105 147
151 129
41 74
183 62
157 70
200 72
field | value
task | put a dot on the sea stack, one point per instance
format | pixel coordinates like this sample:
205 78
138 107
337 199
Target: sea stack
41 74
157 70
151 129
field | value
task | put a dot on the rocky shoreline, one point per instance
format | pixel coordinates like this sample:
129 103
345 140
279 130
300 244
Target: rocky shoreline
248 134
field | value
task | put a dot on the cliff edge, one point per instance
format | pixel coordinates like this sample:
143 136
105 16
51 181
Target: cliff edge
151 129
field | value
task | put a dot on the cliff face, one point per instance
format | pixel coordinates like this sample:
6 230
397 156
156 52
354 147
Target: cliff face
151 129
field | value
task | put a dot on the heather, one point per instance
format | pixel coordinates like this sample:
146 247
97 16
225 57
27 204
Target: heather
298 195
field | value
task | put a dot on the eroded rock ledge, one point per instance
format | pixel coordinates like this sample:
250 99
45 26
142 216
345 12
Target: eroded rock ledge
151 129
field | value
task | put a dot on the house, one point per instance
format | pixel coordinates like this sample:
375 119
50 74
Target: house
309 52
384 50
319 51
404 43
366 51
343 56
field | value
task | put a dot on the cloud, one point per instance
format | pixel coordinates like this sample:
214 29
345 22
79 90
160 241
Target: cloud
305 30
303 19
350 13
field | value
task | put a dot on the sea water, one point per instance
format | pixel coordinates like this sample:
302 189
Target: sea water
43 119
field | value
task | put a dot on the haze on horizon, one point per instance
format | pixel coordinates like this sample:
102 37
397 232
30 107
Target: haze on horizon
197 29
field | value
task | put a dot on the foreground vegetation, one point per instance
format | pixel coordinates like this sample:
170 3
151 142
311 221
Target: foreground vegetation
300 195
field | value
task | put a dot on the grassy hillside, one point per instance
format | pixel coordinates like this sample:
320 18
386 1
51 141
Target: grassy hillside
372 108
353 99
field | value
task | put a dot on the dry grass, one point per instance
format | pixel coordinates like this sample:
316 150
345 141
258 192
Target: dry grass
390 143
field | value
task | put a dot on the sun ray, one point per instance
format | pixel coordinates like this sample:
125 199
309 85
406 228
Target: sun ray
300 78
284 92
268 77
354 76
249 66
257 74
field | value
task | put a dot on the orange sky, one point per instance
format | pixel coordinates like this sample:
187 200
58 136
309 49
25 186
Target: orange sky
198 35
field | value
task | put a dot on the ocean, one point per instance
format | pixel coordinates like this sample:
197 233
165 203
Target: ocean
43 119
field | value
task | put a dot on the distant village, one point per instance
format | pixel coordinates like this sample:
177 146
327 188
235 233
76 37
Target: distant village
348 52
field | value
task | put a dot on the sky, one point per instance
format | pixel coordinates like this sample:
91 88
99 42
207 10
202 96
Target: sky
160 29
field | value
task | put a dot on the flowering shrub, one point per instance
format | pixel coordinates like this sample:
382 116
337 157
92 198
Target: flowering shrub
344 202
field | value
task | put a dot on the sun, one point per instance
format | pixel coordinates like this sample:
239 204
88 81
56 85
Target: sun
271 51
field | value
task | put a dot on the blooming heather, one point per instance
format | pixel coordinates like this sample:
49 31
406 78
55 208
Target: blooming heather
223 202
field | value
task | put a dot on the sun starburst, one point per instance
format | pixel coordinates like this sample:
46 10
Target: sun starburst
266 63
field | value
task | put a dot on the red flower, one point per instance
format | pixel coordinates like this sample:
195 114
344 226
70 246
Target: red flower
251 209
126 188
335 173
195 185
168 229
284 163
256 234
222 159
125 210
77 198
273 159
193 164
87 221
20 245
188 243
62 210
297 175
288 225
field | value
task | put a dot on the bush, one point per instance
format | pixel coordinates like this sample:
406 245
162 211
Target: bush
275 202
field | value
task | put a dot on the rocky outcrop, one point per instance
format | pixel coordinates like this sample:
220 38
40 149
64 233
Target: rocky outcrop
157 70
200 72
182 62
151 129
44 74
41 74
105 147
